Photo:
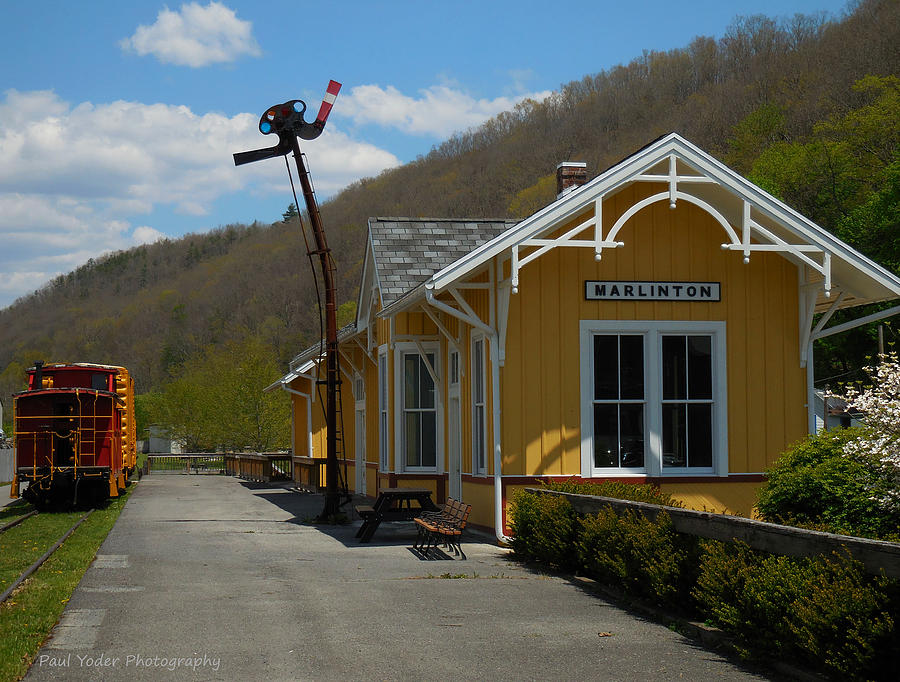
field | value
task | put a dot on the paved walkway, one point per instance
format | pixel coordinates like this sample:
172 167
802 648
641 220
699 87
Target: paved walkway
211 578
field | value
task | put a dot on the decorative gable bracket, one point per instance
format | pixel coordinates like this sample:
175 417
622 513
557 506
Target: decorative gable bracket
754 236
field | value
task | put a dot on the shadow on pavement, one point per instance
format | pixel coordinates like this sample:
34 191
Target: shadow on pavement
306 506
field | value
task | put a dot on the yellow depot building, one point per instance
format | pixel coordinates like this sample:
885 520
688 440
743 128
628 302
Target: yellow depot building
655 324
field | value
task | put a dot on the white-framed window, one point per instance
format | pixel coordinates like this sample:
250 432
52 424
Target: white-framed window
478 391
418 402
654 398
384 451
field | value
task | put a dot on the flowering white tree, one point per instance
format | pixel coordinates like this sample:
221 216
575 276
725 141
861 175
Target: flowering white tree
878 445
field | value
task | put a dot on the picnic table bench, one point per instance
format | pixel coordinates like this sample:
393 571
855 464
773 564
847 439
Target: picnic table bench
393 504
444 526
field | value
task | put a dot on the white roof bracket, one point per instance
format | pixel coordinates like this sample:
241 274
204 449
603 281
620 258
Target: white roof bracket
365 350
874 317
452 340
425 361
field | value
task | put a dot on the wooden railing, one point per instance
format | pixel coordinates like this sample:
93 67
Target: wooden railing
260 466
309 473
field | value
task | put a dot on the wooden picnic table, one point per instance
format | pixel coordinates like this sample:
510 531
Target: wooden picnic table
393 504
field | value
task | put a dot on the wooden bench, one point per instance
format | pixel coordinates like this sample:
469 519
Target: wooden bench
443 527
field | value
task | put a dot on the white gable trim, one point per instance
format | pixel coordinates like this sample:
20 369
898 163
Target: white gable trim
369 285
816 249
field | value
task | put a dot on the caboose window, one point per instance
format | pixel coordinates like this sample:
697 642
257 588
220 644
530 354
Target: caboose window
100 382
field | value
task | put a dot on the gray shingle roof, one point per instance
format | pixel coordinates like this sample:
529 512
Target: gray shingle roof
409 250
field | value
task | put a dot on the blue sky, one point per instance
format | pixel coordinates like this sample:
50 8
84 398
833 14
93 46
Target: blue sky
118 119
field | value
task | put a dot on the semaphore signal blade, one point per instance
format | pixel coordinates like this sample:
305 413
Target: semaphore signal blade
331 94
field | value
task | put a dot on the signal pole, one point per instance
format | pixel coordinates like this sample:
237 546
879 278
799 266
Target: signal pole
286 120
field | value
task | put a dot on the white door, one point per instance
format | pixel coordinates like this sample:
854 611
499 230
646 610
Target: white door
454 454
454 457
361 450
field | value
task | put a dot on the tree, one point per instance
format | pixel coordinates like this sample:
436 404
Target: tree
878 446
290 214
216 400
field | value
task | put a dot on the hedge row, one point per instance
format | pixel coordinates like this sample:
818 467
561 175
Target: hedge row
825 612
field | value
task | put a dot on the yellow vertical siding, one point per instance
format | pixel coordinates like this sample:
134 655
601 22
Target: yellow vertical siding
766 385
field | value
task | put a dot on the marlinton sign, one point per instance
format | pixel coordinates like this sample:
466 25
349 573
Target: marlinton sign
652 291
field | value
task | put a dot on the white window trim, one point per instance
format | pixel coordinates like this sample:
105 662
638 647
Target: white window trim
653 330
406 348
474 337
384 393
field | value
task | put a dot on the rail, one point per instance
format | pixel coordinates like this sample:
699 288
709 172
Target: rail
309 473
260 466
37 564
187 463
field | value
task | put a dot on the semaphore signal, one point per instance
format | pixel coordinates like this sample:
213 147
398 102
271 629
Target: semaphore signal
286 120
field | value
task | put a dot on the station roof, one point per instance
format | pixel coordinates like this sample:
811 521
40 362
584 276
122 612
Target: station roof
408 251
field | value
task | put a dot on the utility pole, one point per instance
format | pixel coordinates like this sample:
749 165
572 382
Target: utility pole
286 120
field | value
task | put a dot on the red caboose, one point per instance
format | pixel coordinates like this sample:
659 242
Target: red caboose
74 433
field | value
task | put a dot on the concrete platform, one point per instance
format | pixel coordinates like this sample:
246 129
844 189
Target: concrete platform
212 578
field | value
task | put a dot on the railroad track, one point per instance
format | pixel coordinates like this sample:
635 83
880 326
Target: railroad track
16 522
37 564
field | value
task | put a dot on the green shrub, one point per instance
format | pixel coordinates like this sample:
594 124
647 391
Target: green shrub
814 484
643 557
544 528
636 492
825 611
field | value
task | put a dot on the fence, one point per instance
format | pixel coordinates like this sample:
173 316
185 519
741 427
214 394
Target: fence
260 466
7 465
874 555
309 473
190 463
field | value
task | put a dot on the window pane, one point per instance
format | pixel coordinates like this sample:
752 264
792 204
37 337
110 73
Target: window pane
606 367
454 368
411 380
674 436
606 435
478 439
700 367
631 420
478 370
700 435
429 440
631 366
382 373
413 437
426 383
673 368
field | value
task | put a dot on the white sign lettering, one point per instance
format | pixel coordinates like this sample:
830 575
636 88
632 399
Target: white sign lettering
652 291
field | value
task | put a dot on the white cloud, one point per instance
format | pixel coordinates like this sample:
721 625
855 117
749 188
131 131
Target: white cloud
73 178
195 36
440 110
146 235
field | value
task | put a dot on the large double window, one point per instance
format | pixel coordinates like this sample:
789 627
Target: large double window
653 398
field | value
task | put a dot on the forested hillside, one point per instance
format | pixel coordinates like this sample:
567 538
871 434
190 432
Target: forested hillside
806 107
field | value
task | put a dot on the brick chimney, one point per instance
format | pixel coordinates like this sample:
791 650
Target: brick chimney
569 175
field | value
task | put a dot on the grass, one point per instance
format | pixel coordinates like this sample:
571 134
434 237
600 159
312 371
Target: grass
11 513
27 617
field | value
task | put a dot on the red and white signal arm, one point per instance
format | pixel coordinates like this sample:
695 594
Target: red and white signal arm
331 94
